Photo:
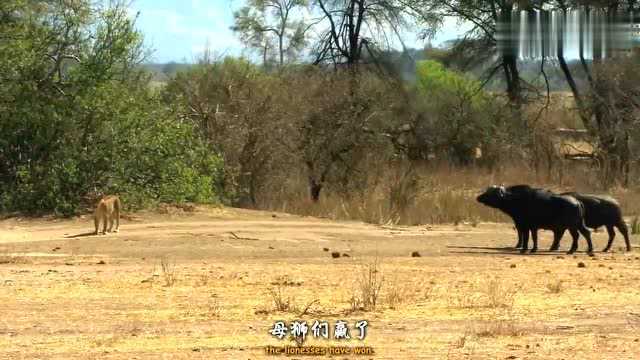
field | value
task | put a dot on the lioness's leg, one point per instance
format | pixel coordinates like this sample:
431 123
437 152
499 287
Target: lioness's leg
105 219
110 222
117 216
96 221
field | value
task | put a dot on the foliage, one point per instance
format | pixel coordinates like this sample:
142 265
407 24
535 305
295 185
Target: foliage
268 25
231 104
336 122
77 116
433 79
354 29
460 118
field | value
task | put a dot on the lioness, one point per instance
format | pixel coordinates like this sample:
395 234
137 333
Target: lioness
107 209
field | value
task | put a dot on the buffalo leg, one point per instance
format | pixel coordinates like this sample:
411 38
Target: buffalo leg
525 241
534 237
557 236
520 231
622 227
574 243
612 235
587 235
520 235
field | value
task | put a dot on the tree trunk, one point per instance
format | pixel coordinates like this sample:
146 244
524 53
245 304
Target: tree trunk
280 49
614 145
264 55
314 189
509 59
513 78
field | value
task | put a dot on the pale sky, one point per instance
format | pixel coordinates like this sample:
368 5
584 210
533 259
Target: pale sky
180 30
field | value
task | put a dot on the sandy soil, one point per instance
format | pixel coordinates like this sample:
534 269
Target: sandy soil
68 294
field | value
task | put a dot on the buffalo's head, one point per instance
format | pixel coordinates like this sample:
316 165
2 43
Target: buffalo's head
494 196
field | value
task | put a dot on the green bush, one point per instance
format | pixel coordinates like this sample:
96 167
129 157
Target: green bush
460 117
85 119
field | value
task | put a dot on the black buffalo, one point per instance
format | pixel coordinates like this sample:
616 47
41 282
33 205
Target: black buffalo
599 210
532 209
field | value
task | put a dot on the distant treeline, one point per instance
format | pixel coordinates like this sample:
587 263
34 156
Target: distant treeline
403 63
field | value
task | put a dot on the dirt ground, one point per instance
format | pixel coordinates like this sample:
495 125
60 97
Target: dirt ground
207 284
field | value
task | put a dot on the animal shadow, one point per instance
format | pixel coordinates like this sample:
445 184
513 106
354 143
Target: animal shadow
91 233
493 250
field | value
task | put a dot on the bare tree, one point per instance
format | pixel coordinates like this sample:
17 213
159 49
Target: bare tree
357 25
487 37
263 23
332 125
609 106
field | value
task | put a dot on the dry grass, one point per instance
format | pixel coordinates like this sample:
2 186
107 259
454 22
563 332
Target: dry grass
400 292
168 268
491 294
438 194
367 287
499 327
447 303
280 302
500 294
282 298
213 307
177 319
635 225
7 257
555 286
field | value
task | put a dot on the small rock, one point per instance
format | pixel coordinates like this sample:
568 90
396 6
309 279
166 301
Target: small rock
271 248
56 248
559 257
101 262
335 254
274 216
325 249
345 255
195 349
415 254
581 265
513 266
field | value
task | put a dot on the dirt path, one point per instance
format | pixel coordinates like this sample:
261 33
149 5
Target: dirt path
232 232
205 285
